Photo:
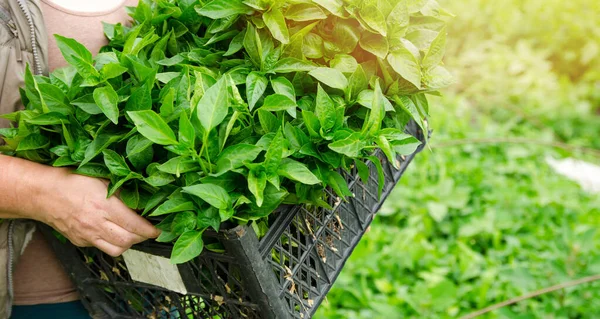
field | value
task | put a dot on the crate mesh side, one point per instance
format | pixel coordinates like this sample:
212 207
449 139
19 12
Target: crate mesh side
313 246
214 284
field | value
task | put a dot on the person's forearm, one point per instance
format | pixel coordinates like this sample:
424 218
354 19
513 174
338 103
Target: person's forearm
23 187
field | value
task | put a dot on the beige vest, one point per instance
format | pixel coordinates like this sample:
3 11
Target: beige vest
23 40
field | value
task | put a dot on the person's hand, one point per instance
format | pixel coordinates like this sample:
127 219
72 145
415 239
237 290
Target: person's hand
77 207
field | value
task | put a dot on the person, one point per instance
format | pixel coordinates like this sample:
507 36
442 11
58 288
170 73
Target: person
31 277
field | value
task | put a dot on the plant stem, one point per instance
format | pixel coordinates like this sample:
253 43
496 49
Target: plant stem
204 142
532 295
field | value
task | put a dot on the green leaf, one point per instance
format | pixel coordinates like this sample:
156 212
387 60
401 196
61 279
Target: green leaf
156 199
107 99
70 48
187 134
375 44
406 146
410 108
325 110
159 179
93 170
398 17
406 65
334 6
60 150
345 36
373 122
112 70
166 237
344 63
64 161
287 65
173 205
174 60
115 163
87 104
55 99
105 58
187 247
358 82
141 98
268 121
166 107
68 139
312 46
436 51
214 195
235 156
366 98
283 86
153 127
313 124
273 197
209 217
278 102
275 22
304 12
179 165
274 154
330 77
394 134
33 142
114 187
52 118
213 106
295 136
387 149
226 214
297 171
33 92
130 197
257 181
351 146
98 145
218 9
183 222
253 46
338 184
256 84
363 170
137 144
374 19
437 77
236 44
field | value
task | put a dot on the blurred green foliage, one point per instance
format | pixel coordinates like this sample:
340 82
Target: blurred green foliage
473 225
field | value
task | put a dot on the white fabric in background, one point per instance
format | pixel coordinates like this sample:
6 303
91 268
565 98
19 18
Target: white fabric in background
584 173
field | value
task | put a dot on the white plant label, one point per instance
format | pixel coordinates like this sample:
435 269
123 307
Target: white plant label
154 270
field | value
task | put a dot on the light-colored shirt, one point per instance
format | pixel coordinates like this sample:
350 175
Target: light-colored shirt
82 21
39 278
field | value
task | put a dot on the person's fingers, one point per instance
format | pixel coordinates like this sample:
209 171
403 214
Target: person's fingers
119 236
109 248
129 220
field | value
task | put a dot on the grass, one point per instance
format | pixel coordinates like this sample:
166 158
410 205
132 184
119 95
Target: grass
476 224
473 224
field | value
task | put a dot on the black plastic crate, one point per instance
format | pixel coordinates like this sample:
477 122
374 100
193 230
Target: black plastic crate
285 274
